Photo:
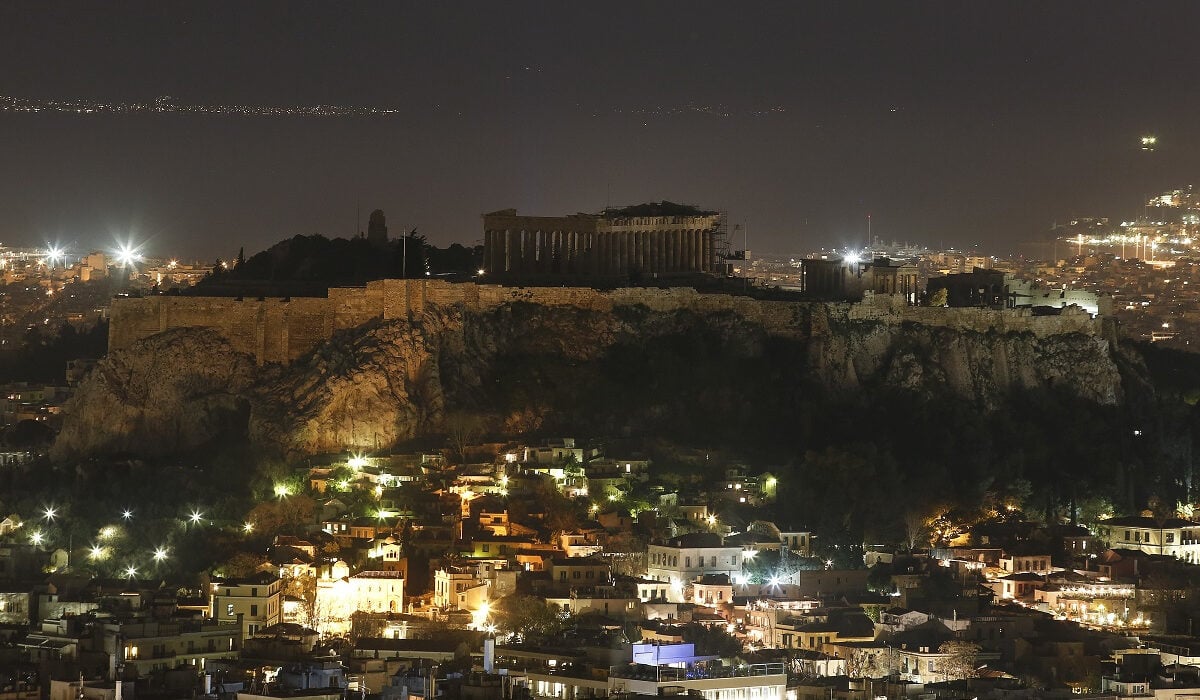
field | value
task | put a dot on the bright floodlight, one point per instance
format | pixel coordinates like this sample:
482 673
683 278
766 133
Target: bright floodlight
36 537
127 514
750 554
108 532
96 552
127 255
357 462
160 554
282 490
53 254
852 258
49 513
196 516
247 527
131 571
481 271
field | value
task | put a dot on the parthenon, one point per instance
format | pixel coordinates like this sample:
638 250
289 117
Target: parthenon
651 240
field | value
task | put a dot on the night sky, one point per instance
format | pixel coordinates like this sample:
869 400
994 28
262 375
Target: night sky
950 123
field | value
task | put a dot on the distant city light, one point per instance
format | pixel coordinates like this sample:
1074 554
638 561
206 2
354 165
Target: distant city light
127 514
196 516
160 554
107 532
49 513
131 571
97 552
36 537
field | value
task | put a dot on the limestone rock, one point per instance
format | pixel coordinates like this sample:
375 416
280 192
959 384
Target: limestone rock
524 366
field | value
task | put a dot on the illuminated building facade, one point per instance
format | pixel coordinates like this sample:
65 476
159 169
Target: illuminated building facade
645 241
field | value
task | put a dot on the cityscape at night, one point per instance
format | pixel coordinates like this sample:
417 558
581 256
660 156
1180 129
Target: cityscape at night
581 351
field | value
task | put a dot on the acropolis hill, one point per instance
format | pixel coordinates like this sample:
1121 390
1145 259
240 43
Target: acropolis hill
282 330
369 367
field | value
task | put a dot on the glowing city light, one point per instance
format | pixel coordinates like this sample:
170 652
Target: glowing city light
127 514
107 532
480 271
196 516
750 554
131 571
49 513
479 616
127 256
160 554
282 490
36 537
247 527
96 552
356 462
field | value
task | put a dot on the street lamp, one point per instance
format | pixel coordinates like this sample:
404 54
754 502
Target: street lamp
160 554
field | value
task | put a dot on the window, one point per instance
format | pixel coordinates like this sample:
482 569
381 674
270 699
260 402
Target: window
487 547
1127 535
229 610
687 562
253 592
1170 538
253 611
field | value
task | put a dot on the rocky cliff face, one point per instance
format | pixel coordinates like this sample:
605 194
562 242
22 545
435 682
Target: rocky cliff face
523 367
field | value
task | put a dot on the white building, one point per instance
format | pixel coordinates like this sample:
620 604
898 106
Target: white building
366 591
682 559
257 599
1171 536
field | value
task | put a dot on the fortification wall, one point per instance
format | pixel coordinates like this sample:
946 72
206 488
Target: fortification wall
283 330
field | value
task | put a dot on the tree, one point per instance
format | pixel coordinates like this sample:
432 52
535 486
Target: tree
872 662
242 564
712 640
939 297
916 531
527 617
962 660
462 429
